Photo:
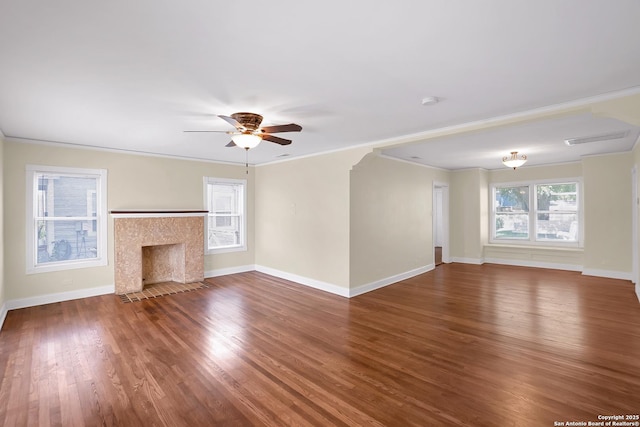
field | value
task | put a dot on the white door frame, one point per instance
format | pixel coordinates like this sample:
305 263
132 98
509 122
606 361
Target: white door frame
634 228
445 219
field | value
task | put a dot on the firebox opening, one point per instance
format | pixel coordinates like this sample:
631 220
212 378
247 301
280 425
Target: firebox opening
163 263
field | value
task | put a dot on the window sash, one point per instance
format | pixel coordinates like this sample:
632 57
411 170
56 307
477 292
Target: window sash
65 218
223 206
56 242
549 226
516 232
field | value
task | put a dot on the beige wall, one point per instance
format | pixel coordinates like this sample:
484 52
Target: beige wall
607 217
468 210
533 173
628 110
391 218
607 199
134 182
313 216
302 216
563 258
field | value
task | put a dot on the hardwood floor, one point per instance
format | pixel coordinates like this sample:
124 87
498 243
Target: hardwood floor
461 345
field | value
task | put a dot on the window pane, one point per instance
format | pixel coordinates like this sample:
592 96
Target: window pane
225 223
224 199
65 240
512 199
557 226
557 197
553 218
67 208
225 234
512 226
63 196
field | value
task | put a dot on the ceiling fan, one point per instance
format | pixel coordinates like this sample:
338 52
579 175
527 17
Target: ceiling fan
248 132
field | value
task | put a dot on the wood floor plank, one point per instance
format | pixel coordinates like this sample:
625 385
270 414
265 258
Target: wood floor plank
461 345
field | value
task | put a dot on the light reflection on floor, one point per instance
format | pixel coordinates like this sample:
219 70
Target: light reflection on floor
228 332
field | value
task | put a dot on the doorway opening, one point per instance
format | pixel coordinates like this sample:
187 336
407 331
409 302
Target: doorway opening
440 217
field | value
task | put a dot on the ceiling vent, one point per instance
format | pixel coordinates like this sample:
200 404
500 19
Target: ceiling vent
596 138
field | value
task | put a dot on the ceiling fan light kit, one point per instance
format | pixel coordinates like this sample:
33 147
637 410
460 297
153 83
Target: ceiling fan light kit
246 140
514 161
248 132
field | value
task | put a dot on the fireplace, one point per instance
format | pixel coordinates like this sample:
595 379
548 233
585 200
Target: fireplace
157 246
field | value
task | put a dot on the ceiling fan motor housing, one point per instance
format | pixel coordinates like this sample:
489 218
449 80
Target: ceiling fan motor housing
250 121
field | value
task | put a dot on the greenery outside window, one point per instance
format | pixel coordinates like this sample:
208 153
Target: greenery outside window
66 217
536 212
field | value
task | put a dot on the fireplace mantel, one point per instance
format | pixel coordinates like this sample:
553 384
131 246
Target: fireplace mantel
137 213
173 239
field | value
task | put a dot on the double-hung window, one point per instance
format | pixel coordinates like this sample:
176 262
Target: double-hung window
537 212
225 199
66 218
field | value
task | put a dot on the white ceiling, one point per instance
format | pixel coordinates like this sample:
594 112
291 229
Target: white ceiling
543 142
132 75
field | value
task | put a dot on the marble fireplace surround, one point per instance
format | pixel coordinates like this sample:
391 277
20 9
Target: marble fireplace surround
157 246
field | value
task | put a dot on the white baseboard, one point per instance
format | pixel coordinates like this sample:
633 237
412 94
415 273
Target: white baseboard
229 270
476 261
607 273
58 297
339 290
389 280
3 314
637 292
536 264
306 281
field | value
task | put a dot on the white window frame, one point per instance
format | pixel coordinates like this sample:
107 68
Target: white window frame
88 225
533 214
242 246
32 218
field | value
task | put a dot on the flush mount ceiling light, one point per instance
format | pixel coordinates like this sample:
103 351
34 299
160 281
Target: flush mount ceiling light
514 161
596 138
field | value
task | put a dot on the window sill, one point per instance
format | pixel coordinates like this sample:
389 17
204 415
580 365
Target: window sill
529 246
226 250
63 266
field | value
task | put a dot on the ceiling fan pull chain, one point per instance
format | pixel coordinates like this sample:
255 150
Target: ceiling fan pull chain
246 159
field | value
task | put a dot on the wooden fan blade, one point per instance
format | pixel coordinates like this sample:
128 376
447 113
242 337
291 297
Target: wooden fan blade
276 139
231 144
291 127
233 122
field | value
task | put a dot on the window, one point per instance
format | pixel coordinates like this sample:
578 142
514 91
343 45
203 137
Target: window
542 212
512 212
226 222
66 213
